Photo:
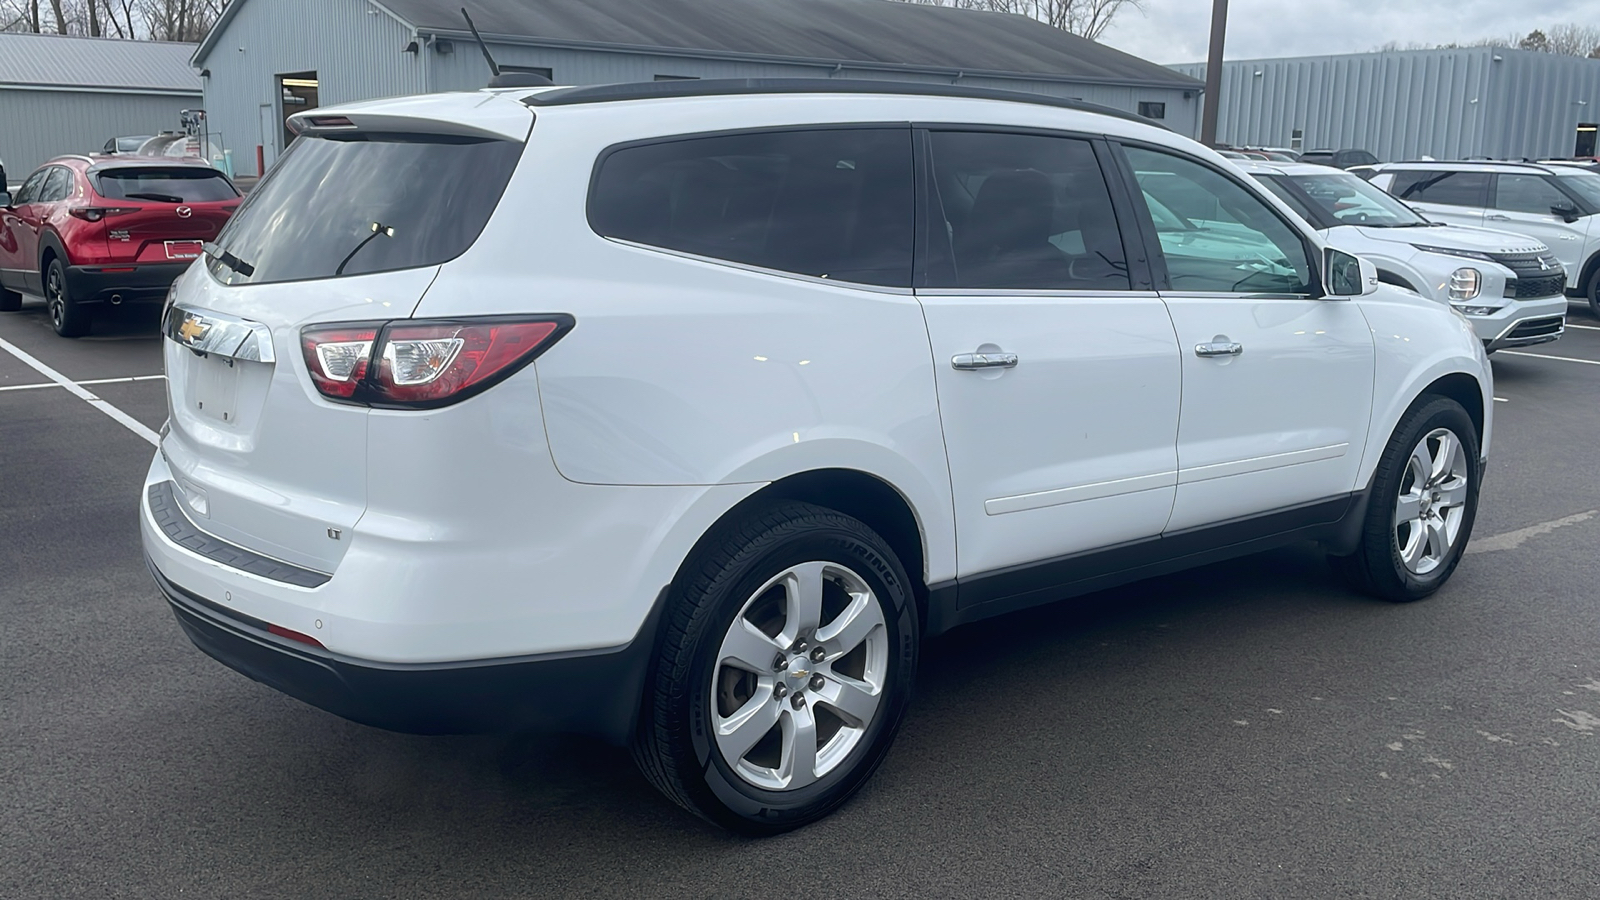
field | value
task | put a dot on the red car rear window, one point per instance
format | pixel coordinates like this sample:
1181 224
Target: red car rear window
186 185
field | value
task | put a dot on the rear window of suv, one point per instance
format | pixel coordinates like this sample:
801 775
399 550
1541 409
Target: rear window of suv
186 185
1448 188
354 204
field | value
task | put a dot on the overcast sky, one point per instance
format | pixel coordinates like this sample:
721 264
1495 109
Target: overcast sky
1175 31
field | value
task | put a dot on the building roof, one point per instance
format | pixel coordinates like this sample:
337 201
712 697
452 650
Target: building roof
65 62
875 34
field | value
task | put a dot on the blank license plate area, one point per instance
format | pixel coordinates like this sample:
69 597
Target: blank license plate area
215 387
184 249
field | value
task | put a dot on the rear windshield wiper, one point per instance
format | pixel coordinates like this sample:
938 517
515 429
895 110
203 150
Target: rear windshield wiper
229 260
159 198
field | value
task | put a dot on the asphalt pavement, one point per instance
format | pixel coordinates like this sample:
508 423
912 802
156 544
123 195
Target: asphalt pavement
1250 729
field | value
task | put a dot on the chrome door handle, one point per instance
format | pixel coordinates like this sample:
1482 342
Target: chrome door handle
1218 348
970 361
1496 217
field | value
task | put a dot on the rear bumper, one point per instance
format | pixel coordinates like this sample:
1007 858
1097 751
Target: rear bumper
132 284
595 693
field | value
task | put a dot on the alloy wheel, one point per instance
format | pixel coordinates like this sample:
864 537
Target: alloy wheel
55 297
800 676
1431 506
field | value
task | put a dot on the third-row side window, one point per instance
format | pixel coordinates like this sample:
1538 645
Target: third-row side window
830 203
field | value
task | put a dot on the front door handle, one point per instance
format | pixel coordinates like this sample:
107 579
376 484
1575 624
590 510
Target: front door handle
969 361
1218 348
1496 217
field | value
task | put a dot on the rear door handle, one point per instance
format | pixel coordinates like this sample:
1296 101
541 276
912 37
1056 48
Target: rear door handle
1496 217
1218 348
969 361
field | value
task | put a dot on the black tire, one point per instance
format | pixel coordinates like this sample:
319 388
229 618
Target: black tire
10 301
67 317
676 746
1594 292
1377 567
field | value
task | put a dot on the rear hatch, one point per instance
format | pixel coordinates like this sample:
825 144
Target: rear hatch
162 213
350 226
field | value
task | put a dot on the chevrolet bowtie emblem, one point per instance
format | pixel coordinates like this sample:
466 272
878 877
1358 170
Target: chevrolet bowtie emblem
193 328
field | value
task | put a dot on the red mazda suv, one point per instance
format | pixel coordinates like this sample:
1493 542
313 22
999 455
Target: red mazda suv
88 231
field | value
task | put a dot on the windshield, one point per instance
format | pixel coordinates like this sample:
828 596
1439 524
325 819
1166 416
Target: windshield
353 204
186 185
1584 184
1350 201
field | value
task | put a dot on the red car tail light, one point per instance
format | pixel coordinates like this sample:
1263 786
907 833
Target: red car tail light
422 364
96 213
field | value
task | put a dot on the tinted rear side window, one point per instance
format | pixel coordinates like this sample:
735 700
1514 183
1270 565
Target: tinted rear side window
165 185
1449 188
1020 212
356 204
830 203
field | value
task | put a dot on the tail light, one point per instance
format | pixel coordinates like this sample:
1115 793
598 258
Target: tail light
96 213
422 364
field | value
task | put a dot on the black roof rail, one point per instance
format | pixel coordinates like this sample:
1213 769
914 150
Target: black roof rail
722 87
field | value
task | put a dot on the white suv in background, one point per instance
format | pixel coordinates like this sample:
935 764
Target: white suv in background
1511 287
1556 205
681 413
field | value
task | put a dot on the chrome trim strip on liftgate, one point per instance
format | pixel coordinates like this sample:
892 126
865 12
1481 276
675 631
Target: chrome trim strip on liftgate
204 331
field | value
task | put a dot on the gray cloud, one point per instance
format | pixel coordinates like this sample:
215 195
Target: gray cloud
1173 31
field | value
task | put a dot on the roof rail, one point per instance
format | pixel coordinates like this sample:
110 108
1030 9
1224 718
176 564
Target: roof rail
721 87
1467 162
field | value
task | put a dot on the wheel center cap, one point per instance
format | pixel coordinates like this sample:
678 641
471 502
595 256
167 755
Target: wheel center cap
799 668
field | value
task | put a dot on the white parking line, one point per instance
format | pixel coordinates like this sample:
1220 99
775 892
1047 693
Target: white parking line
1501 400
127 421
1587 362
1584 327
52 384
1511 540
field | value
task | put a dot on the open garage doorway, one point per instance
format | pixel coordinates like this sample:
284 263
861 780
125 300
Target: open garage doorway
297 92
1585 146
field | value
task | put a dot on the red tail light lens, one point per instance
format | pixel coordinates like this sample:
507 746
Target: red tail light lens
338 356
424 363
96 213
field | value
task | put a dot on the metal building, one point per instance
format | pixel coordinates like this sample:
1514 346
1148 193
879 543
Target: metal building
266 59
63 94
1448 104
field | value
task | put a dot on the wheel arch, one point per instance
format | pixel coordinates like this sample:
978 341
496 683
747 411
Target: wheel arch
856 493
1587 273
51 247
1388 275
1465 390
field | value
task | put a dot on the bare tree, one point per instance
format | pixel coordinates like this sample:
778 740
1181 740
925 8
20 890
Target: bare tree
1573 39
1086 18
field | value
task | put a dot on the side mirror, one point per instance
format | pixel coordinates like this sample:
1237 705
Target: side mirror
1344 275
1567 212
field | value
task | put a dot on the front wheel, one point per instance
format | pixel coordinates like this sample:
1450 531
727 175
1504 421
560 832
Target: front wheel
785 667
1594 292
67 317
1423 503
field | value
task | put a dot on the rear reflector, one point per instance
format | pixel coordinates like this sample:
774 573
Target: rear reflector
282 632
421 364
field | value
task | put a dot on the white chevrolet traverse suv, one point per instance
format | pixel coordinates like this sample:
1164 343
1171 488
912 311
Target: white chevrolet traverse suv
1511 287
680 414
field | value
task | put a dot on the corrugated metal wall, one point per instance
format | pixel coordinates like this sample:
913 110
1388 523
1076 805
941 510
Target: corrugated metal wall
39 125
1539 101
464 69
356 50
1446 104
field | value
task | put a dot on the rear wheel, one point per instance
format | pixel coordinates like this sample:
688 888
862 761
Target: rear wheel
785 668
67 317
1423 503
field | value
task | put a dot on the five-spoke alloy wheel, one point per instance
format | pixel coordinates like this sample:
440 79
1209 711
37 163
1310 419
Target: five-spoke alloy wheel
786 663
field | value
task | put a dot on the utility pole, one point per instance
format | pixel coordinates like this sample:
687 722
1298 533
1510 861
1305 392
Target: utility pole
1213 98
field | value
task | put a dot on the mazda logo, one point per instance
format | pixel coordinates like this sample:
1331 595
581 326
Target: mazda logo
184 212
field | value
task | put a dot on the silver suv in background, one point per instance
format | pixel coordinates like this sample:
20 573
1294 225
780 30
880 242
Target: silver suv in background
1559 205
1509 286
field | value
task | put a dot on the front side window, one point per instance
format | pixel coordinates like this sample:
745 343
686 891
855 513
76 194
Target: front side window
829 203
1020 212
1528 194
1215 235
1448 188
29 192
361 203
1279 186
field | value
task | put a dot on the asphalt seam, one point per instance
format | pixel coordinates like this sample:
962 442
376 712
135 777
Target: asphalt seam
122 418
